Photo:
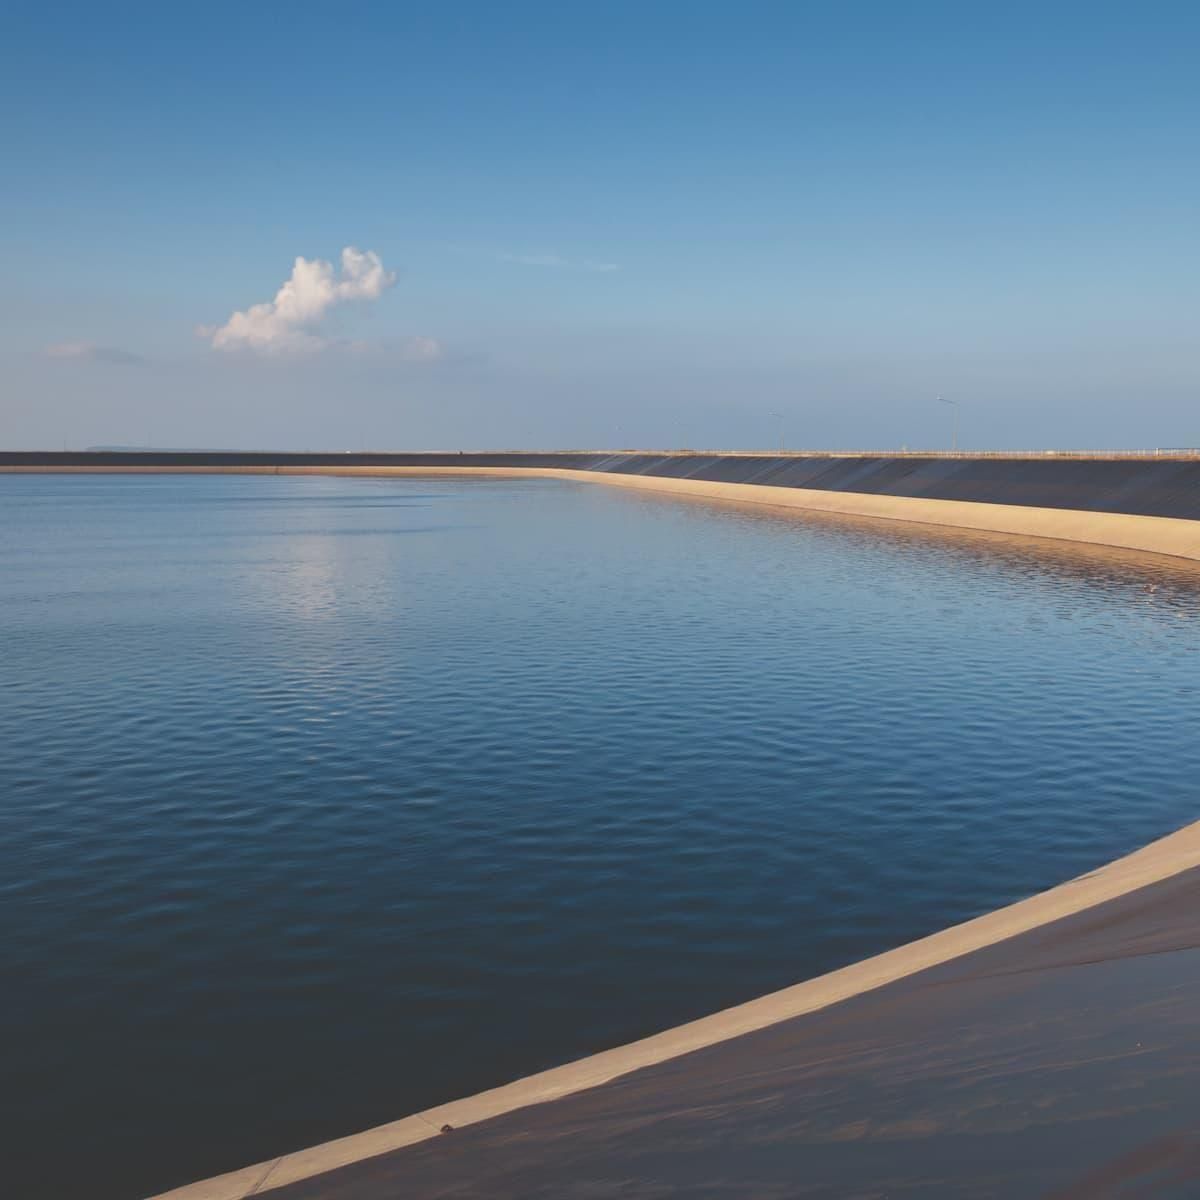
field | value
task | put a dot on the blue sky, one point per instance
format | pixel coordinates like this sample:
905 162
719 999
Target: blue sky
608 224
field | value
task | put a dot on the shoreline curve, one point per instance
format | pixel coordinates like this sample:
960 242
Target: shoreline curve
1174 537
1159 860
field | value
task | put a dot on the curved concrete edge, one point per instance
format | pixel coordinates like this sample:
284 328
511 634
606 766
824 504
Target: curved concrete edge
1171 536
1168 856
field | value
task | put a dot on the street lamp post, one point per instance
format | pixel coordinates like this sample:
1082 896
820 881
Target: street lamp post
954 436
779 416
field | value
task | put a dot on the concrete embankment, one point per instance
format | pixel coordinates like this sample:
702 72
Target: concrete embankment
1047 1048
1137 502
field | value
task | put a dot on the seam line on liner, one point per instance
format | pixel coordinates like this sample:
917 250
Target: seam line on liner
1064 964
263 1181
265 1175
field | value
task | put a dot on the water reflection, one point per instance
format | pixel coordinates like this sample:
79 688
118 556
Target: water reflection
336 798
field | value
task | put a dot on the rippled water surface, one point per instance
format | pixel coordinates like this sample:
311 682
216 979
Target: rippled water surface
324 800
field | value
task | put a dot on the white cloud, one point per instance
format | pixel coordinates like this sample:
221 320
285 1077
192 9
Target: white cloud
90 352
413 349
419 349
556 260
289 322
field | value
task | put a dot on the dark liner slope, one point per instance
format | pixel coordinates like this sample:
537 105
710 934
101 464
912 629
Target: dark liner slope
1166 487
1060 1063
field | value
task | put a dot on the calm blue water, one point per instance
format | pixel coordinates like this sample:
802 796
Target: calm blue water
325 800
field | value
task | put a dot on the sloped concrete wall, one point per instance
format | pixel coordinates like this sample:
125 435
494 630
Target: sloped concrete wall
1152 486
1146 504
